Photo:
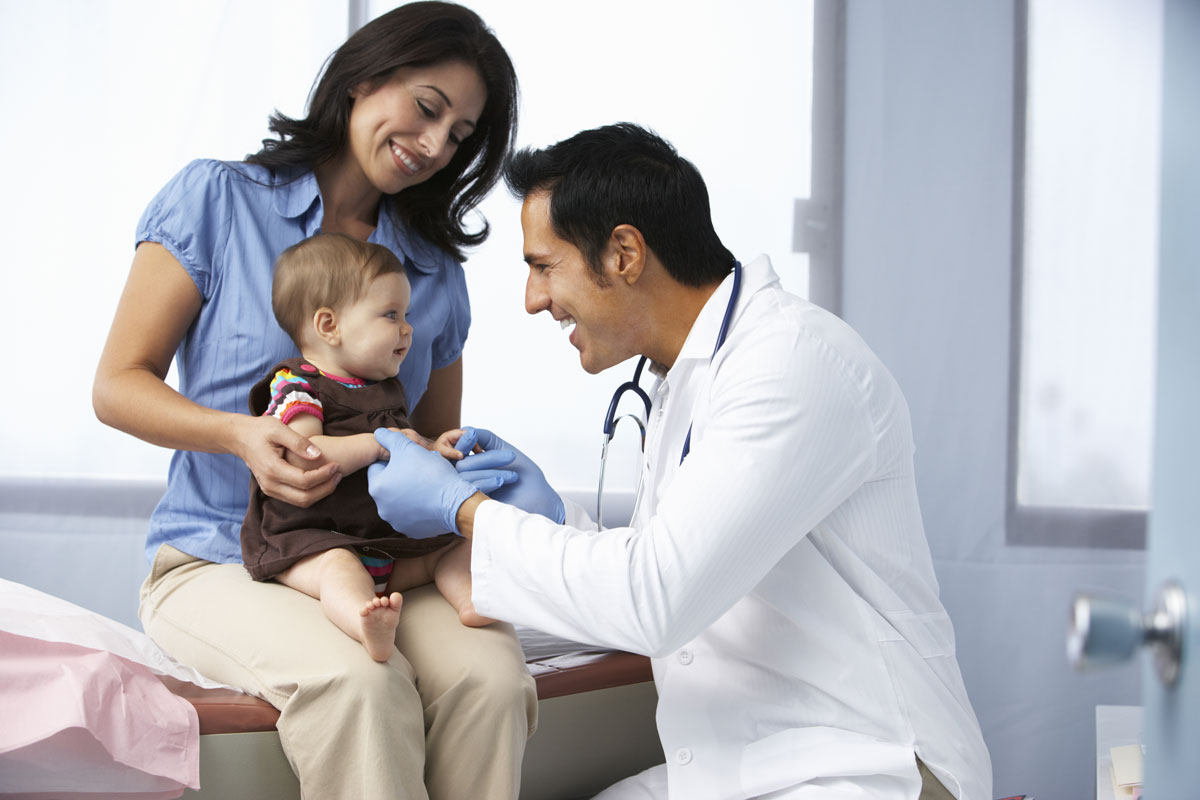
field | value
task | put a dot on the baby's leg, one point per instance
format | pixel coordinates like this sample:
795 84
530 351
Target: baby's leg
452 574
409 573
340 581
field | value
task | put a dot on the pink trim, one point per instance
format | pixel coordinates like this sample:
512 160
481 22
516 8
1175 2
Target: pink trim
291 411
348 381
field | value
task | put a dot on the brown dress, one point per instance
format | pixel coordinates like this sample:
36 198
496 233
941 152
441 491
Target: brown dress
275 534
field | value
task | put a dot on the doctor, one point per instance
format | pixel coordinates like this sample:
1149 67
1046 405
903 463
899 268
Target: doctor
776 569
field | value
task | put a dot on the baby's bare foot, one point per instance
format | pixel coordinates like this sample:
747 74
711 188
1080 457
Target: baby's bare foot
380 616
468 616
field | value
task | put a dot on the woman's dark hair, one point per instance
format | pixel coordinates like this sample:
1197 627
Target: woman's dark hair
625 175
413 35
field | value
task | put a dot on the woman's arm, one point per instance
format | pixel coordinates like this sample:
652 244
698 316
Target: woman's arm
159 303
440 408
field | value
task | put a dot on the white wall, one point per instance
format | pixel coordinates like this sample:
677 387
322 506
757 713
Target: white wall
927 258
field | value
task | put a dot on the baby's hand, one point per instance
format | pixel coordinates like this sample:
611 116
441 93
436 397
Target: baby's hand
445 445
415 437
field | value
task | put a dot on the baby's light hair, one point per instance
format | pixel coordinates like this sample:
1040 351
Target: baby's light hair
329 269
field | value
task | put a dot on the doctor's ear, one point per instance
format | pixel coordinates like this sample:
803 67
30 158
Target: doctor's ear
626 254
326 327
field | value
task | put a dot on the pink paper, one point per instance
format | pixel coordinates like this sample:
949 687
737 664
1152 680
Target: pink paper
77 722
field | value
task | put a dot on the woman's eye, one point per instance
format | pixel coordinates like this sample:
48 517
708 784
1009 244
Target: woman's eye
426 110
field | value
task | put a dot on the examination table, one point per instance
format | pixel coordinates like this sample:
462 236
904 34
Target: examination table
596 709
595 725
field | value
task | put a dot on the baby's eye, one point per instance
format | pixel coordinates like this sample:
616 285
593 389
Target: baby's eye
390 314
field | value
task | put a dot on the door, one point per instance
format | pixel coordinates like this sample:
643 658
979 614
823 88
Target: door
1172 713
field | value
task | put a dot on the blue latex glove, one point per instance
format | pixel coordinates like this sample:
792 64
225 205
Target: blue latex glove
418 492
529 492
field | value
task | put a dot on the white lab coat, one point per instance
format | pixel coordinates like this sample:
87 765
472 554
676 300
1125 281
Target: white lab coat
779 578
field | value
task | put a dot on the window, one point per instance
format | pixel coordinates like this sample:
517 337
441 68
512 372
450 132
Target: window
731 86
1086 246
107 100
128 91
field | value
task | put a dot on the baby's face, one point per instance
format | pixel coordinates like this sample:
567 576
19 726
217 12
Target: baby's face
375 335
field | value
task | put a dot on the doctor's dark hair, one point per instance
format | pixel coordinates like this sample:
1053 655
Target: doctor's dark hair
623 174
414 35
326 270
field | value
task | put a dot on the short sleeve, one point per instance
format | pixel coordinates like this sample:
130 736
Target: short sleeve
448 344
190 217
292 395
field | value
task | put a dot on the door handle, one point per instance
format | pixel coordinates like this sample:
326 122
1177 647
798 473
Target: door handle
1108 630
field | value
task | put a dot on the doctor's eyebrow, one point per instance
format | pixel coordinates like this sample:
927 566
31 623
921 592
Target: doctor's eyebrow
446 99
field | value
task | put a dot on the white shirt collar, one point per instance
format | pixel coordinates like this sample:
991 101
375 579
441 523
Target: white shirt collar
702 338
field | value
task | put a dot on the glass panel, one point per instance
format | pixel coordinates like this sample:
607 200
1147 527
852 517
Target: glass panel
1090 253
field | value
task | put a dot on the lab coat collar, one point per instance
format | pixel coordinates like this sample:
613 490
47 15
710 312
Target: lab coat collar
296 197
701 339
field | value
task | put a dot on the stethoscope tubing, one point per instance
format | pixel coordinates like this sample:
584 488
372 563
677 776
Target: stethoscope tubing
611 419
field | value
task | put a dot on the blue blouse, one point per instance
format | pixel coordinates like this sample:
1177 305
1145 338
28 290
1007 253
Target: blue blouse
226 223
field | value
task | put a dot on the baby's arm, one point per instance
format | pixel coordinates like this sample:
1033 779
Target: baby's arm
444 445
359 450
351 453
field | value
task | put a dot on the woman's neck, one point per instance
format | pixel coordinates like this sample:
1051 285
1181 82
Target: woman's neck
350 201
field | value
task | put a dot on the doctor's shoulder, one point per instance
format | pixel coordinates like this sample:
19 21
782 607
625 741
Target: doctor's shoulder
795 345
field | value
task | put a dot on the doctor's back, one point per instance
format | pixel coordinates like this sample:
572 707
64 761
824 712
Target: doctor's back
840 662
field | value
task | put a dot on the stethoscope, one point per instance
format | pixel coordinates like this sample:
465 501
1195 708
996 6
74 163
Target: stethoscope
611 419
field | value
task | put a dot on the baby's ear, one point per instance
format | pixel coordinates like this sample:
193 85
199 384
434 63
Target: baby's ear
325 325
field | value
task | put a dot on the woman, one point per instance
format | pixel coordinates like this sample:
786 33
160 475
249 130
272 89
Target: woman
405 133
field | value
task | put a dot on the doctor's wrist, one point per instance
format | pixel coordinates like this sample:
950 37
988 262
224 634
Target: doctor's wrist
465 516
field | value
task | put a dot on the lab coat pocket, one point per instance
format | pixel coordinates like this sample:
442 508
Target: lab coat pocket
930 635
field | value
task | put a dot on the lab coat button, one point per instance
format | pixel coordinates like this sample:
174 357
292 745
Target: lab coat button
685 657
683 755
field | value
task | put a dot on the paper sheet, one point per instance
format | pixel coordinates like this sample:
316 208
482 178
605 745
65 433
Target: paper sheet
1127 765
85 713
28 612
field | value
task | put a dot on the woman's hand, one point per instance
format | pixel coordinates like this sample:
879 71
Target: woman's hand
265 444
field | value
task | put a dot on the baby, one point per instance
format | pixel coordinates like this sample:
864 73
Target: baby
343 302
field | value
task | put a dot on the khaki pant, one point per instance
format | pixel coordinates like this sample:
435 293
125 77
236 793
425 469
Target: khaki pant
931 787
445 718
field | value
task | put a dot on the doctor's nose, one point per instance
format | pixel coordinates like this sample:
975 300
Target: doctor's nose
536 297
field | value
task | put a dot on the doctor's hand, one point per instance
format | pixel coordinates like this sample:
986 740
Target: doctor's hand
417 491
529 492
